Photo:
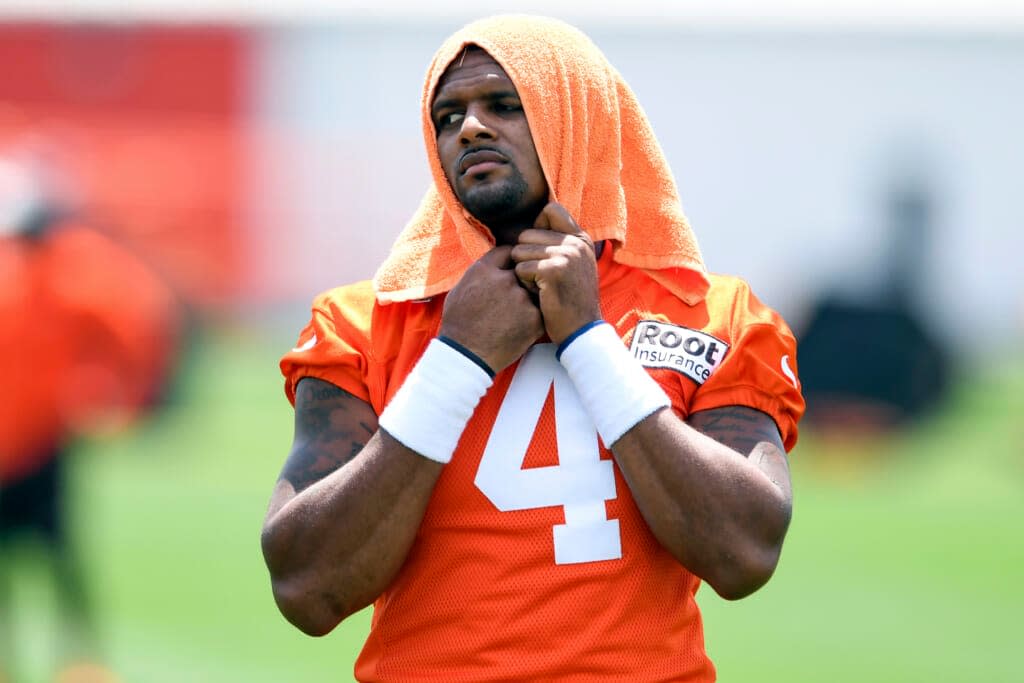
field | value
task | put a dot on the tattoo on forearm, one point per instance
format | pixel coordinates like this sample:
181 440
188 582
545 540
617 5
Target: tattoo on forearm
330 430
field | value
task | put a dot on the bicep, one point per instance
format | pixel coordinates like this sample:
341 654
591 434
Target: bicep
331 427
749 432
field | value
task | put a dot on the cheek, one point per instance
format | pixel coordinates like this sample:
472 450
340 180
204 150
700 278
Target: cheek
535 173
445 156
530 155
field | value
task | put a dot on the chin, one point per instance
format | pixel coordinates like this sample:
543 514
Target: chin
495 205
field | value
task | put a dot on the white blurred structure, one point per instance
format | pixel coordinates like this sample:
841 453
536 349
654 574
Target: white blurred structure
788 125
884 14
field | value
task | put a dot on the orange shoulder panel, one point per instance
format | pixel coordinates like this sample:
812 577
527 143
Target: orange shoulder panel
760 368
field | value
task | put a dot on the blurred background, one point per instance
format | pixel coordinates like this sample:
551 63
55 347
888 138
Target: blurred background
219 165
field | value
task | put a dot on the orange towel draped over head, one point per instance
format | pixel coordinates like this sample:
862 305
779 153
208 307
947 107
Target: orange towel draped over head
595 144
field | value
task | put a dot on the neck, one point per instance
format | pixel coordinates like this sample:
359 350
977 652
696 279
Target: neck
506 230
507 234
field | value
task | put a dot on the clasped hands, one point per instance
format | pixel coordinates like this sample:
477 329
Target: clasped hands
546 282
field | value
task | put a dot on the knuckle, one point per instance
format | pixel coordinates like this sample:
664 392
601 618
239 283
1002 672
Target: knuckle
582 243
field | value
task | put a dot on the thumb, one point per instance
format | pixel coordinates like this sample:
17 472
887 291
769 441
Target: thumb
555 217
543 221
498 257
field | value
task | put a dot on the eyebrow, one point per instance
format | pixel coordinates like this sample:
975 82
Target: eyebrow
454 102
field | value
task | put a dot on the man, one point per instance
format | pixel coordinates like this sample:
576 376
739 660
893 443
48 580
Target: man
476 450
87 340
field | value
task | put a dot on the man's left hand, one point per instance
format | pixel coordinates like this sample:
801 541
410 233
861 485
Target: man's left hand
555 259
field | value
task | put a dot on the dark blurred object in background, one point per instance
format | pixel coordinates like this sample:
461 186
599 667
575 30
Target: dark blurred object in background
873 364
88 339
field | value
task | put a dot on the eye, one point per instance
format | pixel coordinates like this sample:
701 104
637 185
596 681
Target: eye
449 119
507 107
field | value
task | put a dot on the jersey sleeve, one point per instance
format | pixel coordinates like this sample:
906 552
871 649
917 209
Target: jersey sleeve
759 370
334 346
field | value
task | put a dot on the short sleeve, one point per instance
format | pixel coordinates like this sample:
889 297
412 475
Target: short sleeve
758 371
334 346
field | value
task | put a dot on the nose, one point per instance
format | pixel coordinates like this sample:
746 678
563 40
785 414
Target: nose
474 127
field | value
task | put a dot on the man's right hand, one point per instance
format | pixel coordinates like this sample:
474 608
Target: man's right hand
490 313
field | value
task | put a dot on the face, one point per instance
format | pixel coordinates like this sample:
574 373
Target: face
485 145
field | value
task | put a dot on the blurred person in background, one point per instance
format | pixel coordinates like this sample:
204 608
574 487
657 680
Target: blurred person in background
88 335
871 364
544 423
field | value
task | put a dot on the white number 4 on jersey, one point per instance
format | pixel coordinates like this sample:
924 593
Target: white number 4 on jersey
580 483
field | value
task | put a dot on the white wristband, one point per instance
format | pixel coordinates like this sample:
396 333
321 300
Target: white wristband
615 389
433 405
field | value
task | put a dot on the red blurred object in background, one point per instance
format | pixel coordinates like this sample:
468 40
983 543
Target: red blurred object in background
146 122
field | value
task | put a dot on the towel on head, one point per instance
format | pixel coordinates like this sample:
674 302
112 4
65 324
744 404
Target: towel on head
596 147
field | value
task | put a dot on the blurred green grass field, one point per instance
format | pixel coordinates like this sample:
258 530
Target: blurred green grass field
904 561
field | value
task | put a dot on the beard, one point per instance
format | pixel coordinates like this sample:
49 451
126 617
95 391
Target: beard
498 202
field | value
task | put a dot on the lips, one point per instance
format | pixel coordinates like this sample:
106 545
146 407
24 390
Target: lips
480 160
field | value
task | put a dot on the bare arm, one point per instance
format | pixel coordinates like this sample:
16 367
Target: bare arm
715 492
351 498
345 509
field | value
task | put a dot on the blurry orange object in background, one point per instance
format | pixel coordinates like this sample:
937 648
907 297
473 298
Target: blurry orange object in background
87 338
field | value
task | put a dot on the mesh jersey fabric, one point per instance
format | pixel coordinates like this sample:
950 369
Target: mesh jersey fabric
480 596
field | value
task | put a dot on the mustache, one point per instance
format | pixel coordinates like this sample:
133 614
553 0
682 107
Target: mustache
486 150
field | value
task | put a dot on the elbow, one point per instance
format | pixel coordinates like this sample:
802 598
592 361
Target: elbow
742 576
299 596
750 563
315 614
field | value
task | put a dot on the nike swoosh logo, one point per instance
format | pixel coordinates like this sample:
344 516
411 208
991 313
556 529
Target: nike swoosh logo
788 371
307 346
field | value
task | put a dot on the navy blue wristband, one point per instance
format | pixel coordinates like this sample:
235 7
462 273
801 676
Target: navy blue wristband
572 337
467 353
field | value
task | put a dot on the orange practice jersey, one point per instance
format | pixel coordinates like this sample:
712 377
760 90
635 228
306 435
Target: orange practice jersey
533 562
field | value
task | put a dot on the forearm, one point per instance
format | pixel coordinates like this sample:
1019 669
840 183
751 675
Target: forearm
335 546
721 514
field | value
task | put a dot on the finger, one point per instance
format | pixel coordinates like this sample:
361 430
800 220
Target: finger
541 244
555 217
541 236
498 257
536 273
531 252
543 222
527 274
